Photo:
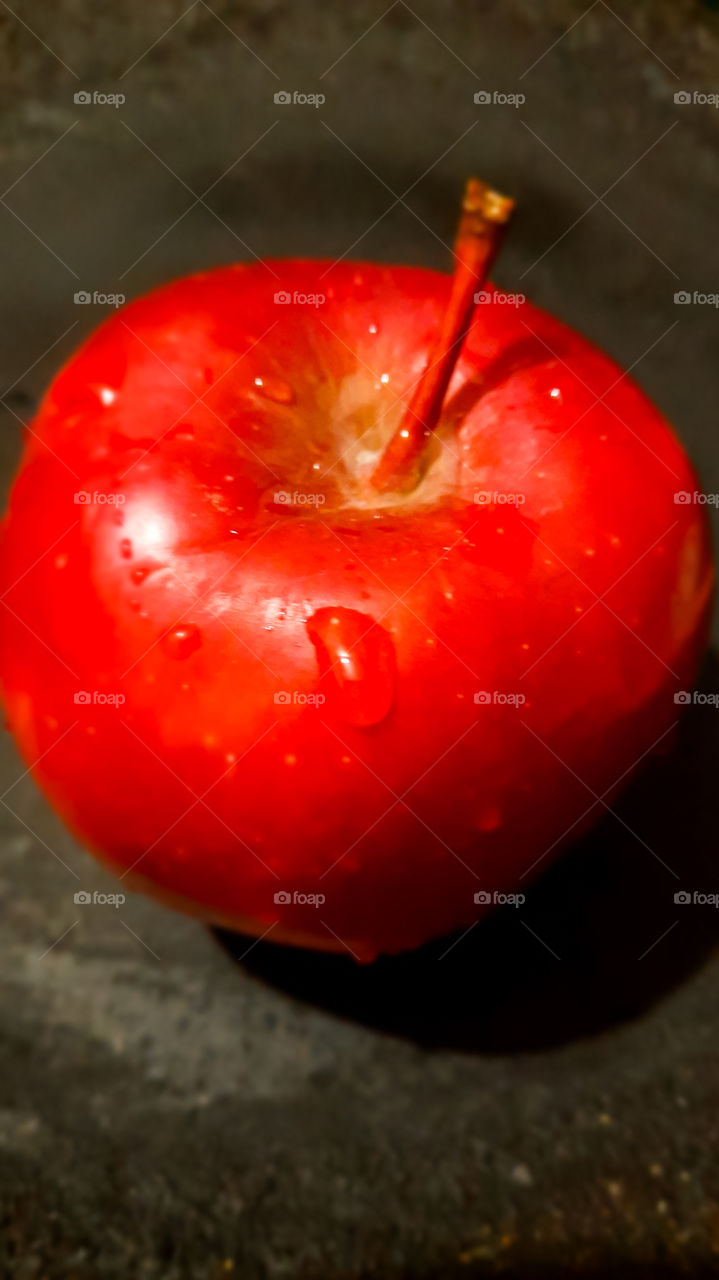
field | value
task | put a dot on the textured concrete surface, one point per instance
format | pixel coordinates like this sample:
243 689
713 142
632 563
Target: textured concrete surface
542 1099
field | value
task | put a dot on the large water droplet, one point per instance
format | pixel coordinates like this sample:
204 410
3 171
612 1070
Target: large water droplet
185 431
182 641
141 571
275 389
126 548
357 658
489 818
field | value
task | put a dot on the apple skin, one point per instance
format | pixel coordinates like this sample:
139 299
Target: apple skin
199 598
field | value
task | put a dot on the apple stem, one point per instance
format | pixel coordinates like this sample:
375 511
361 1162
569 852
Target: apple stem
482 224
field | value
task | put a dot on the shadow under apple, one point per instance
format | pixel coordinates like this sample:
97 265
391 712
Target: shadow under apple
599 939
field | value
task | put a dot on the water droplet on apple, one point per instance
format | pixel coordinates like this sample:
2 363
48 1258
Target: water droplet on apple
373 329
107 395
275 389
142 571
184 431
182 641
126 548
357 664
490 819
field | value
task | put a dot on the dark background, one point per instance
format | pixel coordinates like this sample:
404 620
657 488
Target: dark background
543 1099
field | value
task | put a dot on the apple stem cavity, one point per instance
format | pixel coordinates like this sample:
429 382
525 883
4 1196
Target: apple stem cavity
482 224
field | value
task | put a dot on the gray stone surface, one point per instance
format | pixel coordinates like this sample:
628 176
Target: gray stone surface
543 1100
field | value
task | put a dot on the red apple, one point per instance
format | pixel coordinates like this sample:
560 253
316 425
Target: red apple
282 591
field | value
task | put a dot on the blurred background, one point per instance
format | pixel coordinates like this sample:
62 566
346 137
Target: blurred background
540 1100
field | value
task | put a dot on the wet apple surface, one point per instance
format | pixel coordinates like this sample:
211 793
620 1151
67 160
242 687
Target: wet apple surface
284 698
